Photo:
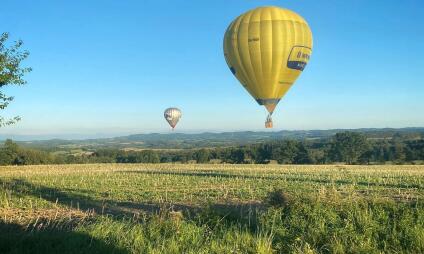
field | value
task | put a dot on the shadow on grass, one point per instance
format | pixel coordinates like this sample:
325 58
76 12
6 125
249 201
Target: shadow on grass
16 239
244 213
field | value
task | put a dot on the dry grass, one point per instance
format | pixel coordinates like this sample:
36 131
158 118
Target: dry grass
320 202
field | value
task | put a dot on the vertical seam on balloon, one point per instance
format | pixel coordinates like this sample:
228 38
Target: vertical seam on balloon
291 35
283 61
259 68
275 74
255 83
236 52
273 78
292 38
228 48
225 47
293 43
309 33
248 79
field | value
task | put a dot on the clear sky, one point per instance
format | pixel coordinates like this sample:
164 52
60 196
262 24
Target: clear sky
112 67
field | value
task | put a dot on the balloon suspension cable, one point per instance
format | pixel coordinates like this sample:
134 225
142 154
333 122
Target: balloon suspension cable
268 122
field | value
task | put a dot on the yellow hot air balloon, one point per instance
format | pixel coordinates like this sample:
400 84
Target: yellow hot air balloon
267 48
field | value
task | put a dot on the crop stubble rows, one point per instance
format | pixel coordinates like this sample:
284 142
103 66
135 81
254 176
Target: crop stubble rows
40 187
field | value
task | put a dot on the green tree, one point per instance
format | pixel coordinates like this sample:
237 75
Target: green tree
238 156
284 152
291 152
380 153
148 156
264 153
201 156
317 156
366 157
8 153
32 157
399 155
347 147
11 72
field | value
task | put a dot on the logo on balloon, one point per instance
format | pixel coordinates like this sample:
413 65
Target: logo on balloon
299 57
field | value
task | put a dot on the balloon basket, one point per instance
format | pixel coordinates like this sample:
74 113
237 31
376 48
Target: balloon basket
268 122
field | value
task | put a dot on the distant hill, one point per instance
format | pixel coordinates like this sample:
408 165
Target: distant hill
209 139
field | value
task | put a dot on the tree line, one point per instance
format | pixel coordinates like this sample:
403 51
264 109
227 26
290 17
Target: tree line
343 147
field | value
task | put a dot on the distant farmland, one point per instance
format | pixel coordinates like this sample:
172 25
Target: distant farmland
177 208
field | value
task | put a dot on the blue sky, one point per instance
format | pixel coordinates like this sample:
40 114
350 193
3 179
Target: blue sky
112 67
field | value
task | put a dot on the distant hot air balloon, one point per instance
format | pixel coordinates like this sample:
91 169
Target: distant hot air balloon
267 48
172 116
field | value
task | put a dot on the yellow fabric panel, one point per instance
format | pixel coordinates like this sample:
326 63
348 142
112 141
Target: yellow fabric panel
266 49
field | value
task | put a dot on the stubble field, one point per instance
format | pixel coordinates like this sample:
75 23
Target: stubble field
176 208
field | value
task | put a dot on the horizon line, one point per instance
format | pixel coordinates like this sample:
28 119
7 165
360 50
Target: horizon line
85 136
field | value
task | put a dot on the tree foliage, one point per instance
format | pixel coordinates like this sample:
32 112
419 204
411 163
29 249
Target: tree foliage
348 147
11 71
201 156
12 154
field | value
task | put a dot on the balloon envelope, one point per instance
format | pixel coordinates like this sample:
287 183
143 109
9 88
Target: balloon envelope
172 116
267 48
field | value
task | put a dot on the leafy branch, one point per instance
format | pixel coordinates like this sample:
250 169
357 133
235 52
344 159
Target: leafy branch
11 72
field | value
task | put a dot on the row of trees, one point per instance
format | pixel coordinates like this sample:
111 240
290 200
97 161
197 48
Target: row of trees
12 154
345 147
